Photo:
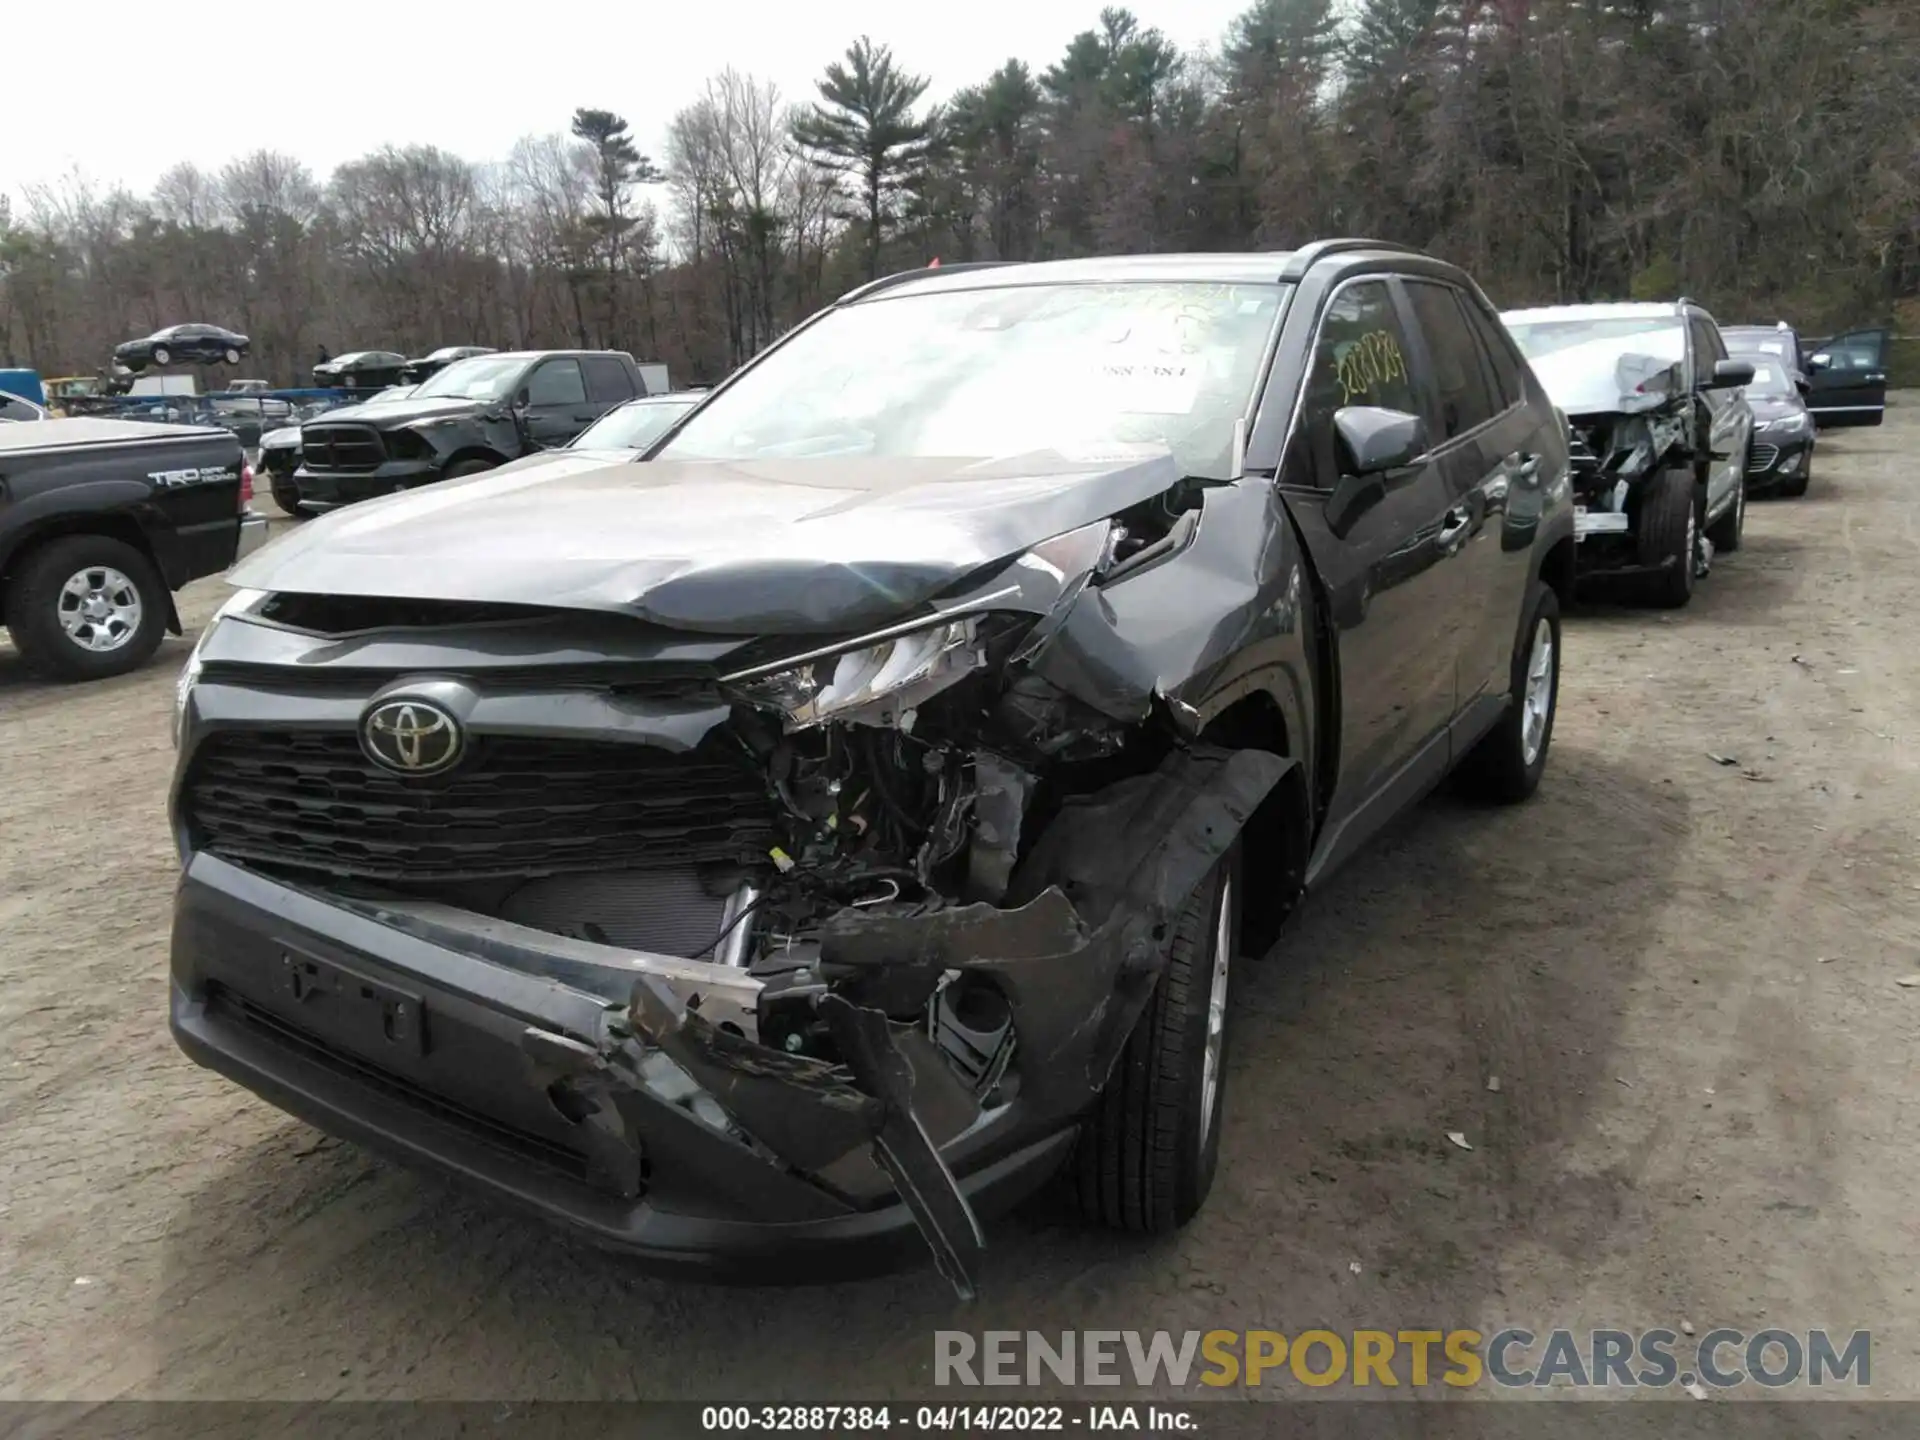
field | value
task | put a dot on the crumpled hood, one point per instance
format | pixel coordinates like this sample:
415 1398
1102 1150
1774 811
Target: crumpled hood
401 410
750 547
1598 378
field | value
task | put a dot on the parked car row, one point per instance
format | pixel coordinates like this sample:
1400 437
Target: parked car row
1676 421
822 836
472 415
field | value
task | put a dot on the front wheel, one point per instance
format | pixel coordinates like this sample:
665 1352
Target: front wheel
1725 532
233 357
286 495
1146 1156
86 607
162 355
1506 766
1670 537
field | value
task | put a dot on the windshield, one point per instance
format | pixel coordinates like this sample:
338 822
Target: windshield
1659 335
1769 379
632 427
1004 372
481 378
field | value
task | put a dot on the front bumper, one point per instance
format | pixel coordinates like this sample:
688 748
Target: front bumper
1773 461
329 490
639 1099
448 1085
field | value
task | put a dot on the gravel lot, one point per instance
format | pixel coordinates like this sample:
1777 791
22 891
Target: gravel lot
1682 972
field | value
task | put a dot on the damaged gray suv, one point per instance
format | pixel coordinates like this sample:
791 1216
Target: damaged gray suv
801 844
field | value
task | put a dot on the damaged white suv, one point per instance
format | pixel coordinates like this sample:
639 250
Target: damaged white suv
1660 427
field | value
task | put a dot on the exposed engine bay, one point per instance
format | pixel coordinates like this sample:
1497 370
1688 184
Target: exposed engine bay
1615 458
866 904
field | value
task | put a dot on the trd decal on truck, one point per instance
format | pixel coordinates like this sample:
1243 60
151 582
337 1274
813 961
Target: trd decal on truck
174 479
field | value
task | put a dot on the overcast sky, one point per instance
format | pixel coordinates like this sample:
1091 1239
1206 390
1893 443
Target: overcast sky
326 84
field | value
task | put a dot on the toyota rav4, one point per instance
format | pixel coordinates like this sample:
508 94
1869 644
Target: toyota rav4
832 828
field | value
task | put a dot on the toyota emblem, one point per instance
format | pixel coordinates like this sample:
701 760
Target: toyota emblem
411 737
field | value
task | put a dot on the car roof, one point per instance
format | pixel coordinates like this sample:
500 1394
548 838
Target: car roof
1623 310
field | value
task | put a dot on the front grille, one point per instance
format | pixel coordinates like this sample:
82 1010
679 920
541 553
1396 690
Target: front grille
514 808
496 1133
1760 459
354 449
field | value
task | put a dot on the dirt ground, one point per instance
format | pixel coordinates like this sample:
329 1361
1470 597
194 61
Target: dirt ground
1683 974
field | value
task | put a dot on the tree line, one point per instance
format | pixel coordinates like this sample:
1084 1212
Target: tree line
1762 156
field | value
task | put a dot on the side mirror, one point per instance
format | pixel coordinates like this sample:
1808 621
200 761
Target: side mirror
1820 361
1372 443
521 398
1729 375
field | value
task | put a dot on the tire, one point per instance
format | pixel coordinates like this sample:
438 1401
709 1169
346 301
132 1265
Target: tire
1725 532
467 467
40 606
1506 766
286 495
233 357
162 355
1147 1153
1669 533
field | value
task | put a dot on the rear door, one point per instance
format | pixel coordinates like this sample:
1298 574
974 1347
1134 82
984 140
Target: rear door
1392 580
1491 454
1849 379
609 384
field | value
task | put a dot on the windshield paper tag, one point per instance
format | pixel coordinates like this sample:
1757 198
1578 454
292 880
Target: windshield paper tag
1148 387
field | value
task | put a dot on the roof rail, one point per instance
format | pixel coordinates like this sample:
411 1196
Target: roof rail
1307 256
887 282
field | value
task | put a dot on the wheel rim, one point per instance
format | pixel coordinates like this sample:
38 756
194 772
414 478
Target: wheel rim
1216 1012
1539 693
100 609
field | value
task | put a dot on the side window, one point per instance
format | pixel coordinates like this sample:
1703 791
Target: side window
1705 344
12 409
557 382
607 379
1360 358
1497 346
1459 380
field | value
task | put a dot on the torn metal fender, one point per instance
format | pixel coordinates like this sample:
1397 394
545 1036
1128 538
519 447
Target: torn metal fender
1236 594
1090 910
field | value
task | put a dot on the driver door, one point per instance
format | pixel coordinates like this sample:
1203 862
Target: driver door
1392 576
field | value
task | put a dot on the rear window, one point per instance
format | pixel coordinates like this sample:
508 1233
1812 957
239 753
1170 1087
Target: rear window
607 378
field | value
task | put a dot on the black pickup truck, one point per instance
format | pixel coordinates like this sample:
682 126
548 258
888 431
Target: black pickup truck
473 415
100 521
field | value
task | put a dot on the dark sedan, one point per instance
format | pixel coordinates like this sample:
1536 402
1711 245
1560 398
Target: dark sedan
1780 457
362 370
433 364
183 344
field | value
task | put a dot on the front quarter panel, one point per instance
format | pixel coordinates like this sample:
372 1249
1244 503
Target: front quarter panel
1224 617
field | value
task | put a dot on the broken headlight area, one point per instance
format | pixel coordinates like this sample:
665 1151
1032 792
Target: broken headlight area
1611 456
